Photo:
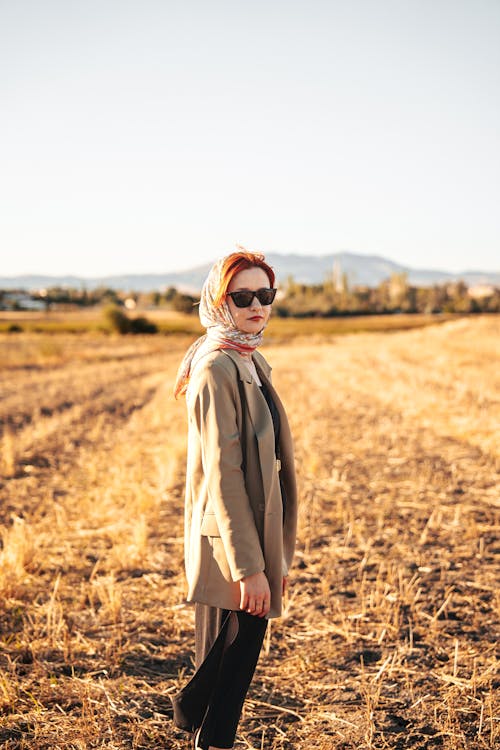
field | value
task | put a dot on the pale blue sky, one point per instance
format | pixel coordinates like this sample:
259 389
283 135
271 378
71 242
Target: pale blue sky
152 135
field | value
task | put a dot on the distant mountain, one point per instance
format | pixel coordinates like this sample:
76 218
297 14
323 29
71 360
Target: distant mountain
368 270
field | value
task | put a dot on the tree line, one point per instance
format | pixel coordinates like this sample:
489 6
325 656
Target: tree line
333 297
393 295
69 297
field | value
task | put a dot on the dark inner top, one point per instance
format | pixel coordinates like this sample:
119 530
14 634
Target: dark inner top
275 416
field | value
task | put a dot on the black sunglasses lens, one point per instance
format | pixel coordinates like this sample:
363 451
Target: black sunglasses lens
244 299
265 296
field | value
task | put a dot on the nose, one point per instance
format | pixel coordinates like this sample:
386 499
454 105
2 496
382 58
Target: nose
255 304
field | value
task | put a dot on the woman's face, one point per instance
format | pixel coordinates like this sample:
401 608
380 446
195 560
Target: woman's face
249 319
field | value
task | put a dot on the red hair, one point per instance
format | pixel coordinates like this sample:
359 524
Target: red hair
236 262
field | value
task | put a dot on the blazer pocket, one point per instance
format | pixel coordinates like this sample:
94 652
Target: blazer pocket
209 525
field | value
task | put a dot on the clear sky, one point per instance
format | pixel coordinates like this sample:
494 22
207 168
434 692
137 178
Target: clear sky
153 135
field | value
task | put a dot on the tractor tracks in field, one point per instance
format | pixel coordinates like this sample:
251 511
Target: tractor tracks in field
48 428
62 428
55 391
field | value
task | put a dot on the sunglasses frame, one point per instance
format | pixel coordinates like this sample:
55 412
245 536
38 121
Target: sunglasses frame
254 293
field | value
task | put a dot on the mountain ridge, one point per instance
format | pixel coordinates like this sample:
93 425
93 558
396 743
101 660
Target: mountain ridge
368 270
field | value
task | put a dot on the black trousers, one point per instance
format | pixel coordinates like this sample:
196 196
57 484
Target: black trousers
228 645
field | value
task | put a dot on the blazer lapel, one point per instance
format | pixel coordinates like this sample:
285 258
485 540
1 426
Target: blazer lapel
258 412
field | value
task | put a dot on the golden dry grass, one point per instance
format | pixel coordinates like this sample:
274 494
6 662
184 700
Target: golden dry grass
390 632
92 320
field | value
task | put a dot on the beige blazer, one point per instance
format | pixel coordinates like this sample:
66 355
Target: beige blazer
234 523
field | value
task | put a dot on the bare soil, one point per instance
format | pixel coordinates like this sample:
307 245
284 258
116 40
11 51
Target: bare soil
390 634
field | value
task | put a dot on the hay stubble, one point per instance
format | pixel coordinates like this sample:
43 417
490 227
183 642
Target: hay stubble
391 625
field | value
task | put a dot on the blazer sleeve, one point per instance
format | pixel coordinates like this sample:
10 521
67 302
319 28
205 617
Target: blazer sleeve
214 410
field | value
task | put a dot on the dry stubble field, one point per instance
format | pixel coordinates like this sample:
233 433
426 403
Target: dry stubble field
391 625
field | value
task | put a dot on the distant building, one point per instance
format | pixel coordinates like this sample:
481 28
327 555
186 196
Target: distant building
479 291
20 301
337 279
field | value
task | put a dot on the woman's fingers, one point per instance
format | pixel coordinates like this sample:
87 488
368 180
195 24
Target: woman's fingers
255 595
243 598
264 607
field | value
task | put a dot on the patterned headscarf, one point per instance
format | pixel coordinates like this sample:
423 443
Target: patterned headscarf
221 331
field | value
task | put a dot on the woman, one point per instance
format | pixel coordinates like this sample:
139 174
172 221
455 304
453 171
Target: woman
241 501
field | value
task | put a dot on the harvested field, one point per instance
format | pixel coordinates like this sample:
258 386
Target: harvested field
168 322
390 634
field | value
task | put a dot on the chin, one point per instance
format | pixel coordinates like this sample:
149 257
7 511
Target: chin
255 328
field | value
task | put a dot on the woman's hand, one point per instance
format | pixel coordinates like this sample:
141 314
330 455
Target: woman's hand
255 595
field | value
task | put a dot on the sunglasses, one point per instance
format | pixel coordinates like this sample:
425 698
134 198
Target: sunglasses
245 298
